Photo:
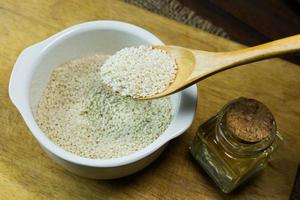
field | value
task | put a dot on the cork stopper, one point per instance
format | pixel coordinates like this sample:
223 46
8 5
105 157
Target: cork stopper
249 120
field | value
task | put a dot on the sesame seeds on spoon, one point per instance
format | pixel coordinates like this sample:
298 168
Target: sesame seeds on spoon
157 71
139 71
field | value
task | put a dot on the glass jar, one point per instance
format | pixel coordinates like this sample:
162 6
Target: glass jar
226 158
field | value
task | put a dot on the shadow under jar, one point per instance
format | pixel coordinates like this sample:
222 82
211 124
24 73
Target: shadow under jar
236 143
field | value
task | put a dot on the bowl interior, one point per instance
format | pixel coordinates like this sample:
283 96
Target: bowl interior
80 42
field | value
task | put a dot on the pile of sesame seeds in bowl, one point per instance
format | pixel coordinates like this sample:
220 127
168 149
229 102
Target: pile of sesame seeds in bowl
81 112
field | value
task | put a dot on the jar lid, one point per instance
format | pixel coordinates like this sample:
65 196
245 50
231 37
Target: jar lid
249 120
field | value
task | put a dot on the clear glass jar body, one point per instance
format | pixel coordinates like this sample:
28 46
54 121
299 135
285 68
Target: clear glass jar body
228 161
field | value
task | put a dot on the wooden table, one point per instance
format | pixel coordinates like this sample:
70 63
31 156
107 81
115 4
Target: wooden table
26 172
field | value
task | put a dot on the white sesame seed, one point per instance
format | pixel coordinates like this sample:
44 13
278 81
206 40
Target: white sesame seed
139 71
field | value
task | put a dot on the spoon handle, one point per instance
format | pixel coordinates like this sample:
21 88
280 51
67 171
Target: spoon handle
263 51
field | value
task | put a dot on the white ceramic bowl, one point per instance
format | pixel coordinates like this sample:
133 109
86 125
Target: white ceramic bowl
32 71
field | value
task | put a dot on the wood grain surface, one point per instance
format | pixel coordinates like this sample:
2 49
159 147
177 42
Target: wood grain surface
26 172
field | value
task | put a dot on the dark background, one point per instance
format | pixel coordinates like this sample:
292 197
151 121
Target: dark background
252 22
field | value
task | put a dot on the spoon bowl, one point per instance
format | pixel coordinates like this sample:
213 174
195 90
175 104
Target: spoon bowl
183 57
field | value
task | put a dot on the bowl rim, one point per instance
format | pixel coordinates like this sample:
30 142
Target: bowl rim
25 110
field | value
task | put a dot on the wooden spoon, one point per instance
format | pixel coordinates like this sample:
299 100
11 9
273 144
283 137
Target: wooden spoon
194 65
